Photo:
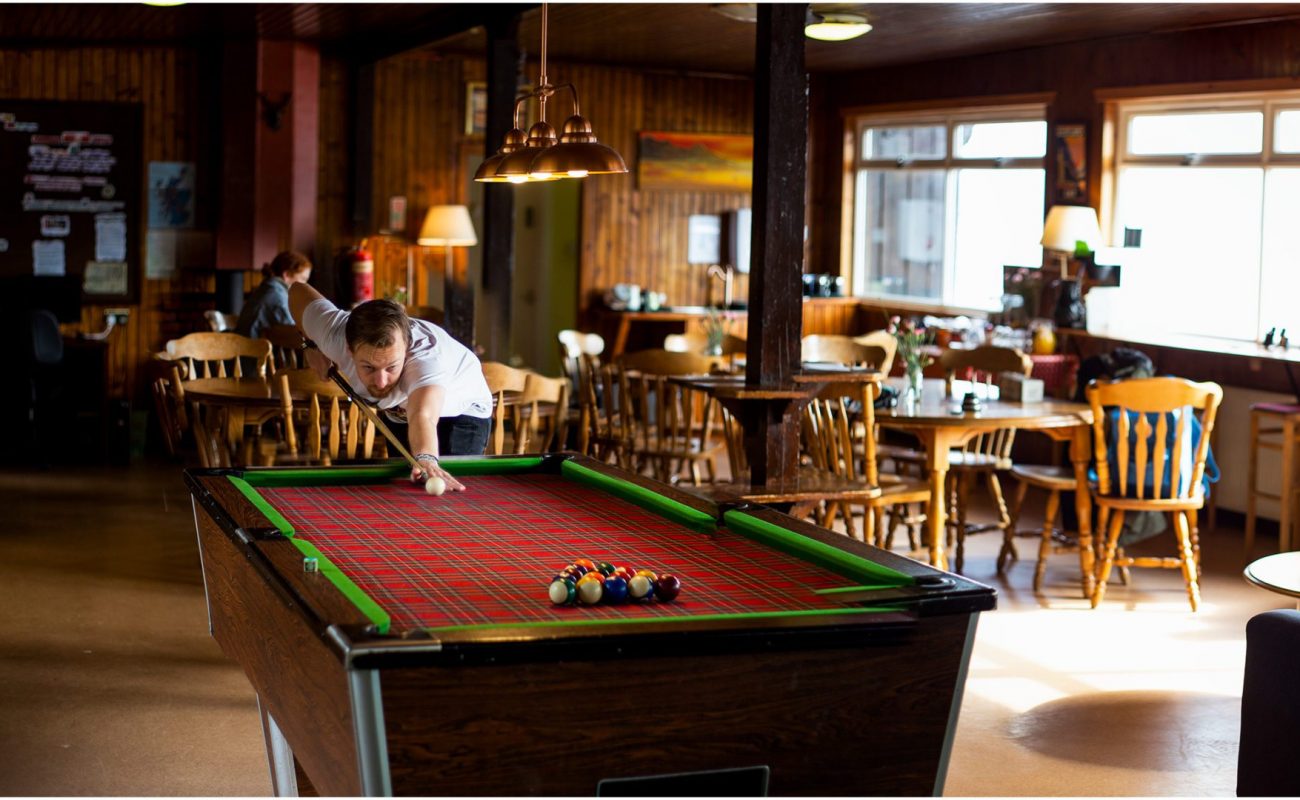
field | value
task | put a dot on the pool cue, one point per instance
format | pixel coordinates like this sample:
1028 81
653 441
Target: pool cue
370 413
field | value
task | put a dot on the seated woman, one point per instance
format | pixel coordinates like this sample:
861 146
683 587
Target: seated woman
269 303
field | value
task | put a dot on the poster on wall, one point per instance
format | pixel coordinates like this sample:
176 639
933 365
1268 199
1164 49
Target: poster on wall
70 196
1071 163
171 195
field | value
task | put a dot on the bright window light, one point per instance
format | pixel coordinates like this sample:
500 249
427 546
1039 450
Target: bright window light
1203 133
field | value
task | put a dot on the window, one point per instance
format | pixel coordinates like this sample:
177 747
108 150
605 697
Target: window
942 202
1214 185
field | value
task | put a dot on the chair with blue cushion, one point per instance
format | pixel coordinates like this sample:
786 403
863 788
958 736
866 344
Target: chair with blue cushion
1152 441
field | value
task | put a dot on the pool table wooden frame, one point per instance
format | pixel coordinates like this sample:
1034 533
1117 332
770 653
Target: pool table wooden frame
863 704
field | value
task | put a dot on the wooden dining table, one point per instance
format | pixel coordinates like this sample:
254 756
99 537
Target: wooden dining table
235 404
938 421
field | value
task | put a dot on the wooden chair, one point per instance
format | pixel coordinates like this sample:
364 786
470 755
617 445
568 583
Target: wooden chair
841 350
846 447
988 453
885 341
695 342
672 428
1052 539
507 384
326 427
206 354
286 346
605 433
540 415
1123 413
580 353
219 321
171 412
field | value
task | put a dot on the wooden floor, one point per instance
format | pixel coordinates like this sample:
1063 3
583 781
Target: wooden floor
109 683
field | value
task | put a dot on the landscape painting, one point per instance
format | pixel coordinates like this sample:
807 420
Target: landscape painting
698 161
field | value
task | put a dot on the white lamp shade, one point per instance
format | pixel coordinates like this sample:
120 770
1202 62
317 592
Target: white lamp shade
1067 225
447 226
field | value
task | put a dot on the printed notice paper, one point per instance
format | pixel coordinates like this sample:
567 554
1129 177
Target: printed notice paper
47 257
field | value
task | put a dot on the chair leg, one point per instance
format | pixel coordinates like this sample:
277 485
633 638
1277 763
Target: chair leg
963 497
1181 524
878 524
869 524
1194 530
1009 519
1008 552
1108 561
1045 544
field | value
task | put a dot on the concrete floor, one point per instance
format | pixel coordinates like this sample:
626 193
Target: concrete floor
110 684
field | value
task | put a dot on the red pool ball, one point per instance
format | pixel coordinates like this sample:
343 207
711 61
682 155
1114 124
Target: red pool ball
667 587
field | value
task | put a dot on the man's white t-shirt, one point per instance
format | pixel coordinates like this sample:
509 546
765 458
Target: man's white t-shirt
435 359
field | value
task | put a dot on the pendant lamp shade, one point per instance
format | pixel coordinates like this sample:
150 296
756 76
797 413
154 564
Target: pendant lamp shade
578 154
517 166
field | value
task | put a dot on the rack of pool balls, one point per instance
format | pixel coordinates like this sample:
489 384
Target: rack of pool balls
589 582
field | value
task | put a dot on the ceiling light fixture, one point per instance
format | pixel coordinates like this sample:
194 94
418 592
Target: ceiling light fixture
835 27
541 155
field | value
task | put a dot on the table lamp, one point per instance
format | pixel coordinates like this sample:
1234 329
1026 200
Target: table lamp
1071 230
447 227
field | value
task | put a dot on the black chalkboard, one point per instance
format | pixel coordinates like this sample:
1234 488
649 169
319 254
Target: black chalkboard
70 195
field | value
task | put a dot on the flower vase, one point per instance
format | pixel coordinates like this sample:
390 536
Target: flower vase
915 383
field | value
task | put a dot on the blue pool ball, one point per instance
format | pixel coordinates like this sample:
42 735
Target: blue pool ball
615 589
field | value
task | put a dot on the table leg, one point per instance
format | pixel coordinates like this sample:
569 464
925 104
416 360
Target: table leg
936 441
1080 445
284 779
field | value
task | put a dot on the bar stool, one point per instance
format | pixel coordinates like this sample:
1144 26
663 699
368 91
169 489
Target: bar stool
1283 434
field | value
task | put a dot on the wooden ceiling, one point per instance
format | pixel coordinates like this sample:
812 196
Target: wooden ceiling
695 36
678 36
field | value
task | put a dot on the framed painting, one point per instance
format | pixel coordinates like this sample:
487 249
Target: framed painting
475 108
1071 162
722 162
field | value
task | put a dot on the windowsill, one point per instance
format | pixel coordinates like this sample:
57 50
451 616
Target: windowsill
913 306
1194 343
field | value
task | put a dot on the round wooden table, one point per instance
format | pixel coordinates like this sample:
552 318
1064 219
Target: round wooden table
1278 573
938 421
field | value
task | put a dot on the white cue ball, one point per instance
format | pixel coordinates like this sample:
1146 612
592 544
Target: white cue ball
435 486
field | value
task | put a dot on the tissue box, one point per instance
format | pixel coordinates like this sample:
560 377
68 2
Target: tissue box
1016 388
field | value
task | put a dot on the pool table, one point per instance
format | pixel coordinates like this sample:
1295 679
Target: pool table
401 643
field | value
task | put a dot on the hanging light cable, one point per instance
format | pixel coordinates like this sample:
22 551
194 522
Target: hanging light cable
543 156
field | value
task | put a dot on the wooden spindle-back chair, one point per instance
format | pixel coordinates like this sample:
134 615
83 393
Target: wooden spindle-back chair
286 346
207 354
325 427
886 342
844 443
1139 468
506 384
840 350
540 414
673 428
988 453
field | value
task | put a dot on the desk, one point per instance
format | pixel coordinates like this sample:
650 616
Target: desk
240 402
425 658
934 422
1279 573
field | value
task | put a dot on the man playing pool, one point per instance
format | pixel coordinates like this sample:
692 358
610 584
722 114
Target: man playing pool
429 386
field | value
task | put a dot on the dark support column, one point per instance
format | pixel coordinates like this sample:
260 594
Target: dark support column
498 200
775 302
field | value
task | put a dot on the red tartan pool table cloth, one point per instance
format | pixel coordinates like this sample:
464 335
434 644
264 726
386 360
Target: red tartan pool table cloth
487 555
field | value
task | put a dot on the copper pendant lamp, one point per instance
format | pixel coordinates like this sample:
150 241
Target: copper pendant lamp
543 156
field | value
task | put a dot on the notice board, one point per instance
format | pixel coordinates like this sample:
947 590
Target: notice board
70 195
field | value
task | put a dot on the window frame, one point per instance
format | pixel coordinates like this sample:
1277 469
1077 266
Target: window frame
857 124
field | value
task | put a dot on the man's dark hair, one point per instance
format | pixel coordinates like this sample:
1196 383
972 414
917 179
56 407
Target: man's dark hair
374 323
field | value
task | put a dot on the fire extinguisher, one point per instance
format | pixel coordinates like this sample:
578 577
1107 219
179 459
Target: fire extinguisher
363 274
